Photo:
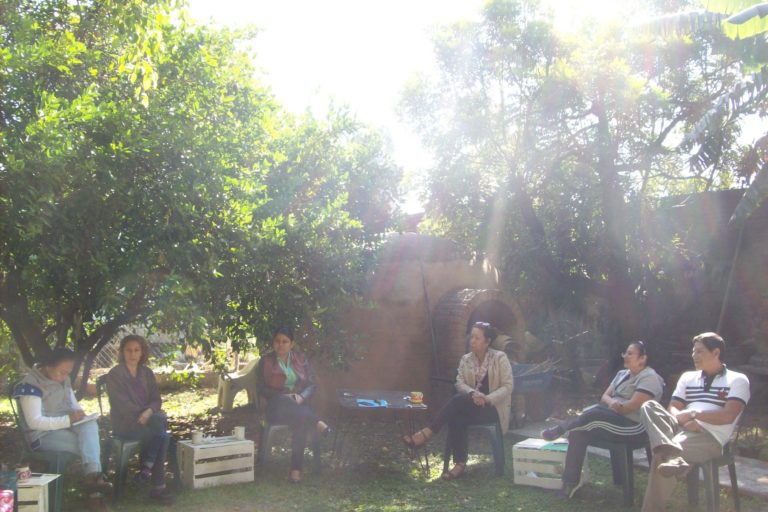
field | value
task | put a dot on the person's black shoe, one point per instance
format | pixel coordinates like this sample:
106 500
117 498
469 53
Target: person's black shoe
552 433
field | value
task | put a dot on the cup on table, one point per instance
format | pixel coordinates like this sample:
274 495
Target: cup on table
417 397
239 433
197 437
23 473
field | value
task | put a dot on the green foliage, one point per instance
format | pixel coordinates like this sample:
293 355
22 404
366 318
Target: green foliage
146 177
747 26
551 152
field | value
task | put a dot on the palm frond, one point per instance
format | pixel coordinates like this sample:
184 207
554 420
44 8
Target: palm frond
747 23
727 6
724 109
682 23
738 19
753 197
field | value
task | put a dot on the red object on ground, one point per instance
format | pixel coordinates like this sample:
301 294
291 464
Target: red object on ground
6 500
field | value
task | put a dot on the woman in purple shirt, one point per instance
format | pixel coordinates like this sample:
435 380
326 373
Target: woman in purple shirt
136 411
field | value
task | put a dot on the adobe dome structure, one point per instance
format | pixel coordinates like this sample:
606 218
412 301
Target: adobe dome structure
426 295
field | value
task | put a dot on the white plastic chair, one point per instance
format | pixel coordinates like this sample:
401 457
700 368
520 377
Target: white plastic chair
231 383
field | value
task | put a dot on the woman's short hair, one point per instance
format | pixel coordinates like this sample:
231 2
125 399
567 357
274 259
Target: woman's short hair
56 356
711 340
488 330
143 343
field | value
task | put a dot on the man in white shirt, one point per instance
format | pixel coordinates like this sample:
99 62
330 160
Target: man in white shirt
701 418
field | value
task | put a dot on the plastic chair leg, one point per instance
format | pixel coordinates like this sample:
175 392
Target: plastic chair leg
58 484
712 486
264 447
693 485
734 486
173 461
106 453
618 461
629 477
498 451
123 456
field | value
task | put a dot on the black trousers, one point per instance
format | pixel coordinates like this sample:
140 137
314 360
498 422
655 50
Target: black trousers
154 439
459 413
300 417
596 423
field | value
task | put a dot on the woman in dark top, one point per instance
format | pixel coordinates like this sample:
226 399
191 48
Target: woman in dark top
136 412
287 382
484 384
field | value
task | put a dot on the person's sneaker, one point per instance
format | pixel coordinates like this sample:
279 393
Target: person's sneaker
674 467
161 496
552 433
95 503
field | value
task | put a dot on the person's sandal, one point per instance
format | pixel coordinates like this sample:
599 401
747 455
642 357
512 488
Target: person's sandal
455 473
413 442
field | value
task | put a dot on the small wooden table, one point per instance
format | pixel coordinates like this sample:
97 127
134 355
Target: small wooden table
395 403
216 461
34 495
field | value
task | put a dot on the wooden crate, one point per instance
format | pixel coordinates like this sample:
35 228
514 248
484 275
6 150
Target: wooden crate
216 461
541 463
33 495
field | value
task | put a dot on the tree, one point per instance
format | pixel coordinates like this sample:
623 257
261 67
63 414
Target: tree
145 176
746 23
550 151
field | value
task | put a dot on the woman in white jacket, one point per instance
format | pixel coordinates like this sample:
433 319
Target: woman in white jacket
49 416
484 384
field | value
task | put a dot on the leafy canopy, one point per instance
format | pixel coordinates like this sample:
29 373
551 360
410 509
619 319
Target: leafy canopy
145 176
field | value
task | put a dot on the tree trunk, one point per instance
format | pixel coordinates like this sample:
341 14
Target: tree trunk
619 290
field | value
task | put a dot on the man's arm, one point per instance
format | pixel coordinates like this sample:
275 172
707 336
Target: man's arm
689 418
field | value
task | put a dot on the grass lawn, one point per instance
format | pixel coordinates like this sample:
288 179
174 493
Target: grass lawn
378 474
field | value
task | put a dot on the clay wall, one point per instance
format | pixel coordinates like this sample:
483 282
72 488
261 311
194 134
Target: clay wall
395 341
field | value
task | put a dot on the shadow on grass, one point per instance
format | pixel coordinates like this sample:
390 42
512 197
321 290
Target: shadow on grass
378 474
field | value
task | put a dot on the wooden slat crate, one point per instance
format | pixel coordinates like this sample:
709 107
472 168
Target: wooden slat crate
536 465
216 461
33 495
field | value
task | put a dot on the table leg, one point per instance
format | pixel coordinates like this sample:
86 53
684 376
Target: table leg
412 428
338 435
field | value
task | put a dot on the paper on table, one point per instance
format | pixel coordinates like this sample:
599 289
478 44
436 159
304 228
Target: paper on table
364 402
556 446
86 419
